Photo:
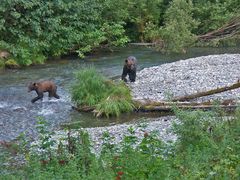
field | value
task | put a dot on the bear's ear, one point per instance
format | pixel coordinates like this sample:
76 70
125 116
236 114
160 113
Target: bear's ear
34 84
126 61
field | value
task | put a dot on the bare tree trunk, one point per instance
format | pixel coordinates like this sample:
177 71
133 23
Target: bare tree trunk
150 106
207 93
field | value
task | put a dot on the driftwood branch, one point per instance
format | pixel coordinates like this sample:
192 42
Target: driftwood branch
149 106
207 93
228 30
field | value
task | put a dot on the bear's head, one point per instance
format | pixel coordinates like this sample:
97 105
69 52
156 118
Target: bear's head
130 62
32 86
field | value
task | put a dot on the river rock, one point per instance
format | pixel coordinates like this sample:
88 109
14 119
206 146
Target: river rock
185 77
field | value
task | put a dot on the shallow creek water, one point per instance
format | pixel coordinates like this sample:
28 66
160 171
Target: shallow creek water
18 114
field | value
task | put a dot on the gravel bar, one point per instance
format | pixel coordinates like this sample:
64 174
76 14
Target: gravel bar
189 76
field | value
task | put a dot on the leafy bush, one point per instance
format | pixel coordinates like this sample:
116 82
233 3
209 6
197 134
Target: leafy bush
2 64
33 31
11 63
177 32
107 97
207 148
214 14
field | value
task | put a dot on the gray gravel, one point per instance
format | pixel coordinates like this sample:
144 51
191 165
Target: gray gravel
189 76
161 127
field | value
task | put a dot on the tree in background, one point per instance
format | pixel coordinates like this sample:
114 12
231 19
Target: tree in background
213 14
34 30
177 31
141 14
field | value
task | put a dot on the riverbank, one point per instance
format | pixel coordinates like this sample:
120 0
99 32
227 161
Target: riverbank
174 79
189 76
160 127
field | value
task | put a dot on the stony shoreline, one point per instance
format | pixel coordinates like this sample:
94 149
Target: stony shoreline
189 76
177 78
161 127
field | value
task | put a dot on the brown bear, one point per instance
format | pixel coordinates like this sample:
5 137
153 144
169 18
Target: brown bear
41 87
130 68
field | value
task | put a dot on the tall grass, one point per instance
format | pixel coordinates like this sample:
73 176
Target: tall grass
94 90
89 88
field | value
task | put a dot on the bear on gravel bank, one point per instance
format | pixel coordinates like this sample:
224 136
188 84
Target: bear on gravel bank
130 69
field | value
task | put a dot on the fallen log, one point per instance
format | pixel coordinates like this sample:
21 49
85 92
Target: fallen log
228 30
207 93
170 108
148 106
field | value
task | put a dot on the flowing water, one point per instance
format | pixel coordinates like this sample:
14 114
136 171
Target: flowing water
18 114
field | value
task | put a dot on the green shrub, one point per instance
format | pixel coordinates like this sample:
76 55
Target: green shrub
33 30
12 64
108 98
2 64
207 146
198 153
179 23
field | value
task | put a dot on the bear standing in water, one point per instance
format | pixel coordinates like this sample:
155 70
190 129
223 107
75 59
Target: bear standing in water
41 87
130 68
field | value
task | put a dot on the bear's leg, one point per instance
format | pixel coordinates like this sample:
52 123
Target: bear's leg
40 96
50 95
54 93
56 96
132 76
124 73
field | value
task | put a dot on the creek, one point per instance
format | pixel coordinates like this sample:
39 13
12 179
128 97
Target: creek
18 114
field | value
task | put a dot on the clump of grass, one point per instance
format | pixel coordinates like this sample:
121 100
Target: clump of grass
107 97
90 87
118 101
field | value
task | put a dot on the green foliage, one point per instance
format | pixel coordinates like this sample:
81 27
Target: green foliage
214 14
89 88
92 89
177 32
34 30
11 63
207 148
118 100
114 34
2 64
142 13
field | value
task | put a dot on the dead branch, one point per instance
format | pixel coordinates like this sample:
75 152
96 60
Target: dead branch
228 30
207 93
149 106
